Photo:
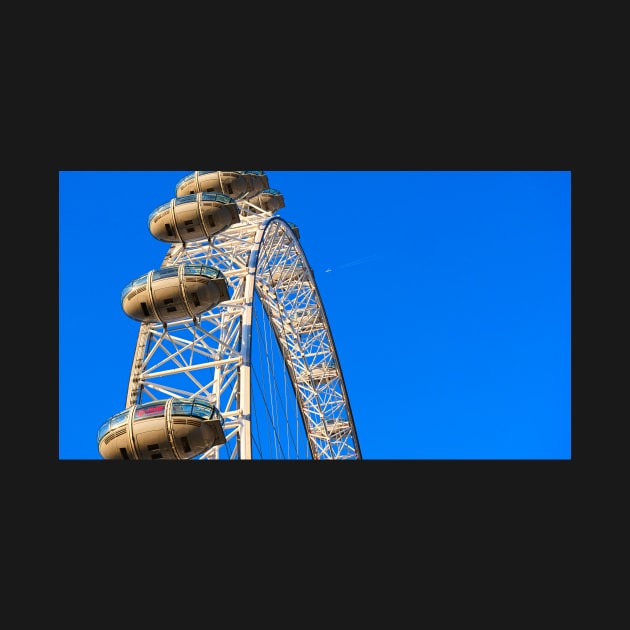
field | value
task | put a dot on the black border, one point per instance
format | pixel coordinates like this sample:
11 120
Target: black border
341 495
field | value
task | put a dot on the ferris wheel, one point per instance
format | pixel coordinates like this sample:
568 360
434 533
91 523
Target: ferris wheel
234 357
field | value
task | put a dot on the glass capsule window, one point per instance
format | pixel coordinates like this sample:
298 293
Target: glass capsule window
202 270
162 208
196 408
185 179
112 423
149 410
206 196
185 199
165 272
203 409
119 418
216 196
182 408
133 284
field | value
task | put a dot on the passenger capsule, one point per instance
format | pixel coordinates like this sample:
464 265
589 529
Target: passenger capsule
236 184
332 429
174 293
268 200
319 374
257 181
304 320
289 274
295 229
193 217
176 428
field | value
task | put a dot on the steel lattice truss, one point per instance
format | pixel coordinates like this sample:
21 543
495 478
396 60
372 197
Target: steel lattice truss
260 257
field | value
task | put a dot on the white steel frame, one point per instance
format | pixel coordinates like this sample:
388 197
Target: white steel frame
261 259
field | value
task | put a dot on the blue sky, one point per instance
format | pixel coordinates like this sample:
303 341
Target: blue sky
448 295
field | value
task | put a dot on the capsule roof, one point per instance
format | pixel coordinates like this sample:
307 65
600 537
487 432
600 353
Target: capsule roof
237 184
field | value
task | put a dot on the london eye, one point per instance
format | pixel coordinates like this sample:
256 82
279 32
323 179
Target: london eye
234 358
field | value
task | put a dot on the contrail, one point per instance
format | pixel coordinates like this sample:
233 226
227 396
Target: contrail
358 261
